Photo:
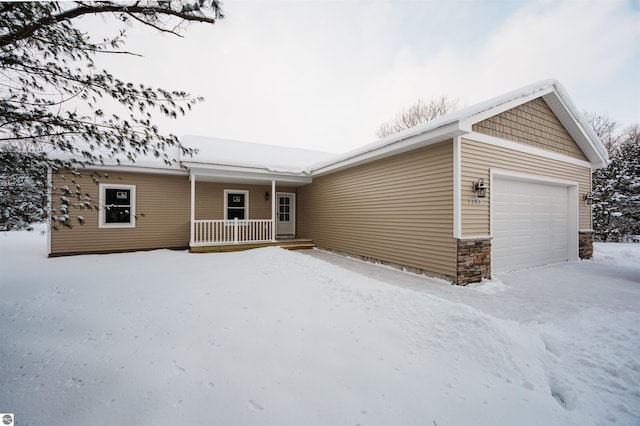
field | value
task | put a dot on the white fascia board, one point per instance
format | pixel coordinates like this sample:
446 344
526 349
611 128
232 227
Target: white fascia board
137 169
528 149
573 122
242 174
430 137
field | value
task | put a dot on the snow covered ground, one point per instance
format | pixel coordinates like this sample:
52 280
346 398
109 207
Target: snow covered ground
271 337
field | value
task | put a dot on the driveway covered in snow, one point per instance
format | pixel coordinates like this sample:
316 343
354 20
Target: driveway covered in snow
270 337
585 313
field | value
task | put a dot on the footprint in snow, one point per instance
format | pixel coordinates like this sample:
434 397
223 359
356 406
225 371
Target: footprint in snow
178 368
254 406
74 382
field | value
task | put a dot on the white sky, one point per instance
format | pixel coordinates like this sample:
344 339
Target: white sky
323 75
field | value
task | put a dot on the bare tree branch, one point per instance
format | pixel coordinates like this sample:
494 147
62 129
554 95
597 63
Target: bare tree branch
418 113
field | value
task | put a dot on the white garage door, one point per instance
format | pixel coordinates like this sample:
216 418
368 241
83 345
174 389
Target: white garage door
530 224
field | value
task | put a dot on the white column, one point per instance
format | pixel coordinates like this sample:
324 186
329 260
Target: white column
273 210
193 207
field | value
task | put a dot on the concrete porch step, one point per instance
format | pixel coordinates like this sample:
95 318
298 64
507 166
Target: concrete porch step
288 244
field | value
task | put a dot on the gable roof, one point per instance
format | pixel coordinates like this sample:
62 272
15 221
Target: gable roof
226 152
229 159
460 123
224 160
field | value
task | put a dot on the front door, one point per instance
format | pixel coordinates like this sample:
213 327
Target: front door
286 212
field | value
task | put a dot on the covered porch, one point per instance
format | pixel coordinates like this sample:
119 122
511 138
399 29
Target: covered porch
238 208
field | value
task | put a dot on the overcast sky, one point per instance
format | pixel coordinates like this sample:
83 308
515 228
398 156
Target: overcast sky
323 75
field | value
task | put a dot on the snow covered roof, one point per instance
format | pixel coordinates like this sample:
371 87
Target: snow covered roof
225 152
231 159
460 122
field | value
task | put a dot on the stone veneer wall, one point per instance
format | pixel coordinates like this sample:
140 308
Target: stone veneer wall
474 261
585 244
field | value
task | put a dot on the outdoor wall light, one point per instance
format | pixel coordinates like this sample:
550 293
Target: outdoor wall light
588 197
480 188
266 196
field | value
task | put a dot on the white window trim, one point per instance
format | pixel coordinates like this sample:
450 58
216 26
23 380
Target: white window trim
101 216
246 201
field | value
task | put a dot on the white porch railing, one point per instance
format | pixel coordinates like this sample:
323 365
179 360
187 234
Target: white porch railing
211 232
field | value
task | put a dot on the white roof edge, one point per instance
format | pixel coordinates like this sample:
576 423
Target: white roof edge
207 171
204 166
400 142
445 127
581 130
138 168
599 150
462 121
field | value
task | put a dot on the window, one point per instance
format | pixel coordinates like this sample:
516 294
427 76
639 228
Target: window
284 209
236 204
117 206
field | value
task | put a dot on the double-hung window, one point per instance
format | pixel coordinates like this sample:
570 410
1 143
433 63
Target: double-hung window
117 206
236 204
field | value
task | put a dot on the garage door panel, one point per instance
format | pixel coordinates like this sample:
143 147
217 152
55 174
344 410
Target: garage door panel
529 224
541 239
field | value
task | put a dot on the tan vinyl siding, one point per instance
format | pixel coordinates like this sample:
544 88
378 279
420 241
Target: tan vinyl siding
534 124
398 209
162 211
210 199
477 159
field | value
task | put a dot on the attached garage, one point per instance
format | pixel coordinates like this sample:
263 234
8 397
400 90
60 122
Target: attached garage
494 187
534 222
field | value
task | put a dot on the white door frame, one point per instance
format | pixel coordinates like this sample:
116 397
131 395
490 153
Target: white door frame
292 212
572 208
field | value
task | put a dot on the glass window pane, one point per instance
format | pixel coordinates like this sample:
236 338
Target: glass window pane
117 197
235 214
235 200
117 214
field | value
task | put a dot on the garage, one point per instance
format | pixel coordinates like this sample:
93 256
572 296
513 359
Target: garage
533 223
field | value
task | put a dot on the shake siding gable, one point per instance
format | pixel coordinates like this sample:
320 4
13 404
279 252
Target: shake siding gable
398 209
477 159
534 124
162 210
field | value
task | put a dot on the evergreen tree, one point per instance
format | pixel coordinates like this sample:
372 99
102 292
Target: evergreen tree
52 96
616 190
23 190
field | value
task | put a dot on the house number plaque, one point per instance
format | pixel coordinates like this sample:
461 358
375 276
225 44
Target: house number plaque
475 201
